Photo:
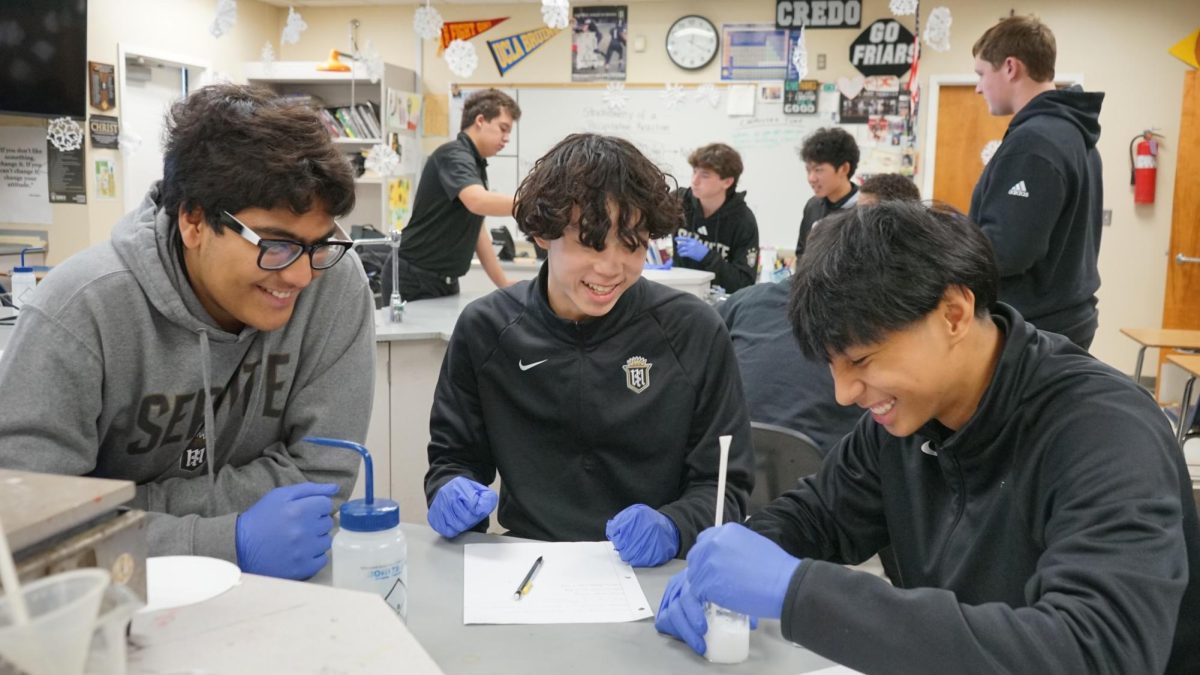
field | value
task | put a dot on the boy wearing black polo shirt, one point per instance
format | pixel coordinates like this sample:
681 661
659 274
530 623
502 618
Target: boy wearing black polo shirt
830 158
452 199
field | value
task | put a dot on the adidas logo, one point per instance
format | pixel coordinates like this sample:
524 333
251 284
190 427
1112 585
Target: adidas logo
1018 190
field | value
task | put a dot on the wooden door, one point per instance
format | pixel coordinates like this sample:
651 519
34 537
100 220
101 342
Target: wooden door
964 127
1182 296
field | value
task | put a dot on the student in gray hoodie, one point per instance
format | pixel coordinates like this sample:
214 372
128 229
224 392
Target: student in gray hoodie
191 353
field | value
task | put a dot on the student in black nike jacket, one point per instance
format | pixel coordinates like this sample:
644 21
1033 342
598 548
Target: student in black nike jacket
597 395
719 232
1041 196
1038 507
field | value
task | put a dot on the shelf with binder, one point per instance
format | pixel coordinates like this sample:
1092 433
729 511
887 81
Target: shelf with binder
355 112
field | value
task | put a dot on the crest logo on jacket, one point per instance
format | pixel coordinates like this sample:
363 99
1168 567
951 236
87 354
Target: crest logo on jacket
637 374
193 454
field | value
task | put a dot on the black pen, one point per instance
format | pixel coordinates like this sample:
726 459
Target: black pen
527 582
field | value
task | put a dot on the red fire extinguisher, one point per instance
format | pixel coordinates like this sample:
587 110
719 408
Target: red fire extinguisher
1143 165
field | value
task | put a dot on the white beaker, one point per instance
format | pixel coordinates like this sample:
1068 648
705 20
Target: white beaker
727 639
62 617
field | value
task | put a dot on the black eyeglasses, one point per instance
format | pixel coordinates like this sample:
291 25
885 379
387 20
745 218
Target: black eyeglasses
277 254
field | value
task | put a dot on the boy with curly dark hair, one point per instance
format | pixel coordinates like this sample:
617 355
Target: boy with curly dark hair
224 321
830 158
597 395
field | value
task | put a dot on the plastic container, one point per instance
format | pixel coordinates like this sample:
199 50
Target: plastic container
370 552
728 637
62 613
23 283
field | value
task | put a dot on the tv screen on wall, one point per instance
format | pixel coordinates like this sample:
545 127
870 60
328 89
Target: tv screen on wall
43 57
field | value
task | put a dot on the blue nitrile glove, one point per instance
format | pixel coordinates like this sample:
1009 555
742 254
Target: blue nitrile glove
459 505
681 614
740 570
691 248
665 266
643 536
286 533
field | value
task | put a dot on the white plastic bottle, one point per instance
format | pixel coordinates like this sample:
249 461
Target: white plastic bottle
23 283
370 552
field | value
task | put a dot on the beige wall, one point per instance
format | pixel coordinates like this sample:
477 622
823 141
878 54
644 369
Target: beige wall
1118 47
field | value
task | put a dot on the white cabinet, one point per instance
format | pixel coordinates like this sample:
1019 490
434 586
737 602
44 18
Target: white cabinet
347 90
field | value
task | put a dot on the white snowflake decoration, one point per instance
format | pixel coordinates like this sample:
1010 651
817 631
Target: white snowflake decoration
268 56
615 98
372 62
427 22
294 27
461 58
707 93
554 13
800 56
989 151
672 95
903 7
225 17
383 160
65 133
129 142
937 29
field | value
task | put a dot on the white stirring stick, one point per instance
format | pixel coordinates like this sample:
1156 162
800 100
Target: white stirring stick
722 467
12 586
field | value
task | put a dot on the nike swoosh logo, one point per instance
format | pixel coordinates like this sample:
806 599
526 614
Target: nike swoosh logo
523 366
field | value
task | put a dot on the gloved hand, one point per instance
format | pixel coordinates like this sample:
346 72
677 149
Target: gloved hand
740 570
691 248
681 614
459 505
286 533
665 266
643 536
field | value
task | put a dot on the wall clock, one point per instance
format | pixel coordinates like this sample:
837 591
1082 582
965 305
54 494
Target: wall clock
692 42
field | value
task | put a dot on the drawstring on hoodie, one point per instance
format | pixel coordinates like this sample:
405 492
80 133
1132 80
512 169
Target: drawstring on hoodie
209 423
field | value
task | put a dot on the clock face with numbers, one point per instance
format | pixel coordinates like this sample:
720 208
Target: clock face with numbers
692 42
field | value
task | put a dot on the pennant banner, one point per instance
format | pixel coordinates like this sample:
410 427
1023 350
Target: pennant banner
465 30
509 51
1188 49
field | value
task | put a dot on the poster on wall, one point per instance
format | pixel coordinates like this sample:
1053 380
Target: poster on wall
884 48
800 97
24 190
67 176
818 13
104 131
868 104
753 51
102 83
399 202
598 36
106 179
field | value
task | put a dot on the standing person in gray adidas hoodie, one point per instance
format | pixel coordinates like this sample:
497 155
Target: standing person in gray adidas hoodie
1040 197
218 305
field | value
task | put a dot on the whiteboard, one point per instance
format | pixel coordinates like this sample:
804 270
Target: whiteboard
768 141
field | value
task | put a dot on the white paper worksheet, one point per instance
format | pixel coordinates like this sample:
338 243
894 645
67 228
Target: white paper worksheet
578 582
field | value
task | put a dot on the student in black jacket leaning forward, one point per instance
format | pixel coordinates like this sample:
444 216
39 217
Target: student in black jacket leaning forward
597 395
1038 506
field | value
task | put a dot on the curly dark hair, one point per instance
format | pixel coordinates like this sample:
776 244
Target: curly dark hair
489 103
873 270
886 186
587 171
230 147
832 145
720 159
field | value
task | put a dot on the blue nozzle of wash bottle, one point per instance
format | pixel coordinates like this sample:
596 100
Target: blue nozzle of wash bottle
28 249
360 449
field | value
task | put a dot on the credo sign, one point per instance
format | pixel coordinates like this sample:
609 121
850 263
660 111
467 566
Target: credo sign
884 48
818 13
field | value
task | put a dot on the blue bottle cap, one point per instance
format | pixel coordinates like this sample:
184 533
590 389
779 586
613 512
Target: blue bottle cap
359 516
